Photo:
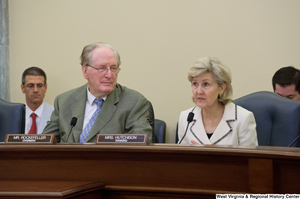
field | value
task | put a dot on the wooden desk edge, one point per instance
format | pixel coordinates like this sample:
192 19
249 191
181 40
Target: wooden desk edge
168 190
17 188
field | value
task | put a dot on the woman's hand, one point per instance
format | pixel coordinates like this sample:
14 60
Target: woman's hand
194 142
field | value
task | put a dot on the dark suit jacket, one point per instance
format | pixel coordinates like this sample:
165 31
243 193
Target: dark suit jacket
124 111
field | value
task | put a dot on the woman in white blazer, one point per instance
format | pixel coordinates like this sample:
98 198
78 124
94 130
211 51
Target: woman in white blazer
214 119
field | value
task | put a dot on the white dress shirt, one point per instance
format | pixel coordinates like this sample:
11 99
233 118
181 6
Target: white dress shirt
28 118
90 107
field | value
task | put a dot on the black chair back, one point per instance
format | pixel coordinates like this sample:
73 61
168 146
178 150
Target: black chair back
12 118
160 131
277 118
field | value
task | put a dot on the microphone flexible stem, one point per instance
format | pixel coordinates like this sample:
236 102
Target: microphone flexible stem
185 132
190 118
294 141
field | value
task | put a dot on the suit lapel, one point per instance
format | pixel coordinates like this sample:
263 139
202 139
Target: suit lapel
106 113
197 128
78 111
222 130
224 127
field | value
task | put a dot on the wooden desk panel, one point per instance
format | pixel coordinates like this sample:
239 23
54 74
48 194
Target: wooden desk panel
50 189
159 169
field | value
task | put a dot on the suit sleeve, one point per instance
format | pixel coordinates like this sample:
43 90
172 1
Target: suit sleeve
137 121
52 126
247 133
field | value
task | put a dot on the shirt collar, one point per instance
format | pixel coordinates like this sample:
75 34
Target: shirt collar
38 111
91 97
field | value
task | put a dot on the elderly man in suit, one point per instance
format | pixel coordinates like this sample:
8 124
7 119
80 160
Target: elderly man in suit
38 112
102 106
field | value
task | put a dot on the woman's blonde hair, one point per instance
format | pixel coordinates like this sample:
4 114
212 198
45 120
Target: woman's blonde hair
220 73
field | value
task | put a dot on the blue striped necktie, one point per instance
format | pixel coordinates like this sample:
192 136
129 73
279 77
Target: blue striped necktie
86 131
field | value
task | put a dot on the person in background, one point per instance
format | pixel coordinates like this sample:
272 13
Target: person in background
38 112
102 106
286 83
214 118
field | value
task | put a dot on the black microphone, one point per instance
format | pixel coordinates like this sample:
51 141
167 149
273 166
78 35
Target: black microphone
73 123
189 119
294 141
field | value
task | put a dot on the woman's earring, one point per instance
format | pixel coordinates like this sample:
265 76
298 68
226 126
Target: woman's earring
220 95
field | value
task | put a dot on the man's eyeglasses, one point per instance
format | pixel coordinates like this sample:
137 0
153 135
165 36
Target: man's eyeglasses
32 86
104 70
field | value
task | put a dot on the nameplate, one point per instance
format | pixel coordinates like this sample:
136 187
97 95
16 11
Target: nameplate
122 139
30 139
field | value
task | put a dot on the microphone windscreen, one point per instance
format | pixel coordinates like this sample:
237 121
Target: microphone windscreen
190 117
73 121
